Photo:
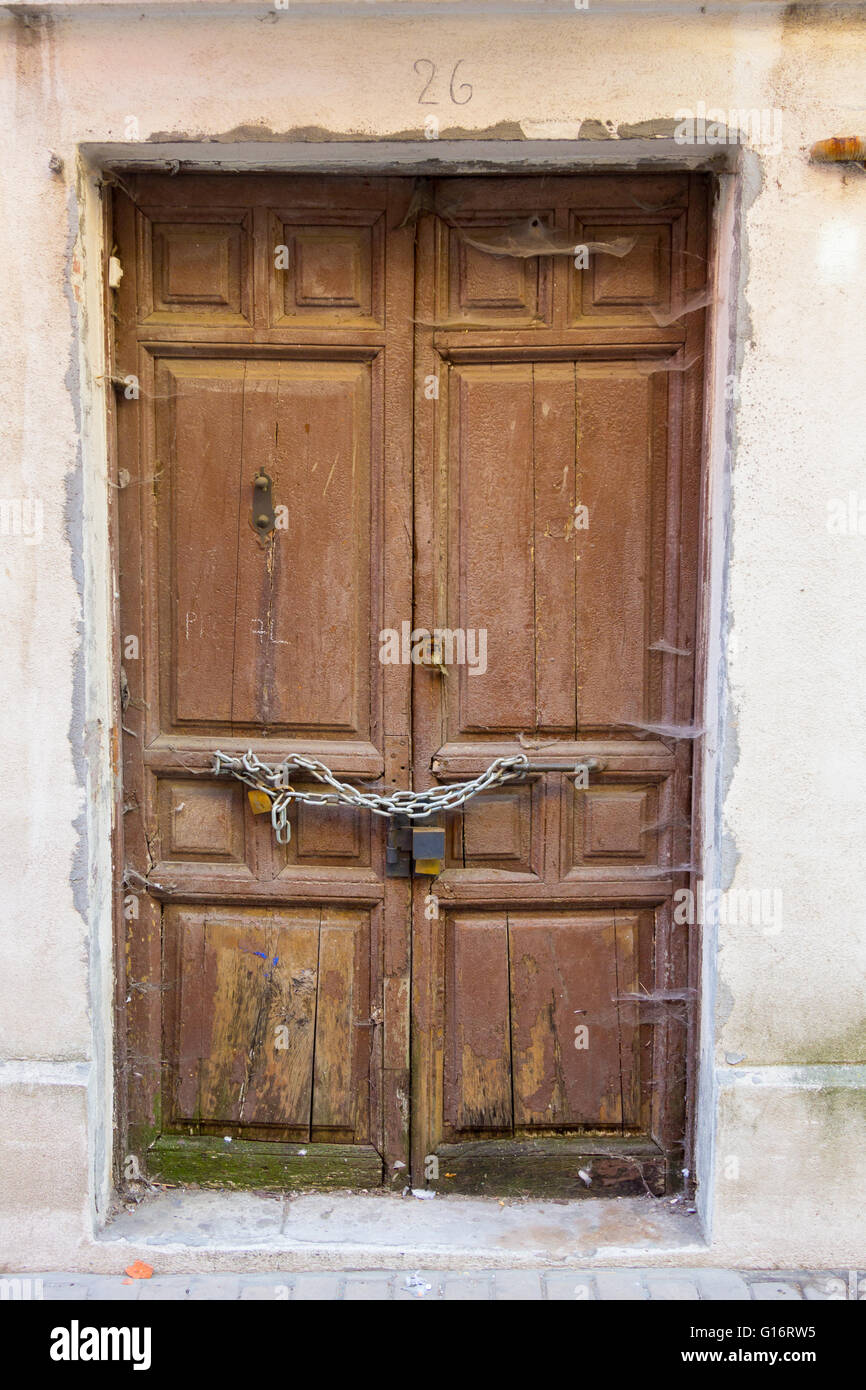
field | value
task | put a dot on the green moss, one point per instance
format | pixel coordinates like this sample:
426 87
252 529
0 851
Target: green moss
255 1164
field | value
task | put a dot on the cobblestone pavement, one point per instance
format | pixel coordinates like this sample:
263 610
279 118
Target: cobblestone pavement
671 1285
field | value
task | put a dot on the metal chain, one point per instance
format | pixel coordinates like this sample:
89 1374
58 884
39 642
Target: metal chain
274 782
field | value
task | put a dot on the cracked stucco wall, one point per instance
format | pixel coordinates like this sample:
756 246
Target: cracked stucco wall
783 1101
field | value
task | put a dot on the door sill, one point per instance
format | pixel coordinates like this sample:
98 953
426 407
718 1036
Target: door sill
574 1166
178 1230
251 1164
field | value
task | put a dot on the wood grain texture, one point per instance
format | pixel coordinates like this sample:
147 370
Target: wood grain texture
556 1167
267 1019
478 1073
558 392
564 980
304 373
556 506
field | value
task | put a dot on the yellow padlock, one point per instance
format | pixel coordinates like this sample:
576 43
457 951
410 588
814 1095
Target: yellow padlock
260 802
428 866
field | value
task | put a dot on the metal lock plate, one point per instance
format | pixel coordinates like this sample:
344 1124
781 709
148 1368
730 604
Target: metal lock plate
263 518
398 849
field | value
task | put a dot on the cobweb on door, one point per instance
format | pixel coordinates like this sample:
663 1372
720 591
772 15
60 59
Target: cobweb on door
532 236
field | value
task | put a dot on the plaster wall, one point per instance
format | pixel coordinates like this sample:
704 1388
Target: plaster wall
782 1102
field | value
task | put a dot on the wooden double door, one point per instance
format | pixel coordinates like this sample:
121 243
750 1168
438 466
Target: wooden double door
461 435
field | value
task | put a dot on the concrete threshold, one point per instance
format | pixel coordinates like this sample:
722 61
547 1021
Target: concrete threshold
184 1230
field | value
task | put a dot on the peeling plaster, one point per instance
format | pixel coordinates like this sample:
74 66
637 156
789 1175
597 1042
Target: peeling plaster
317 135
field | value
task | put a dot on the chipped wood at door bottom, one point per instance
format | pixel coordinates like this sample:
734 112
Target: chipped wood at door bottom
568 1167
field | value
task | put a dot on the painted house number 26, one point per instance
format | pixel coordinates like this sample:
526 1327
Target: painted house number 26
421 66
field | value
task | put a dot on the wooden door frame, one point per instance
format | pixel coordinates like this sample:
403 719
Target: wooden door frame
106 161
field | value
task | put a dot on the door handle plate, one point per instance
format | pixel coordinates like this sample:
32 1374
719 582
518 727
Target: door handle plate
262 518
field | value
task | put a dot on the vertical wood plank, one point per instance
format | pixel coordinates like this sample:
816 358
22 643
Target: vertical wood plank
478 1070
185 935
393 541
555 545
614 569
493 517
199 442
335 1078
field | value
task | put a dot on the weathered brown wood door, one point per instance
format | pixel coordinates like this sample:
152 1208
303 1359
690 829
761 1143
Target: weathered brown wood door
268 325
556 511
